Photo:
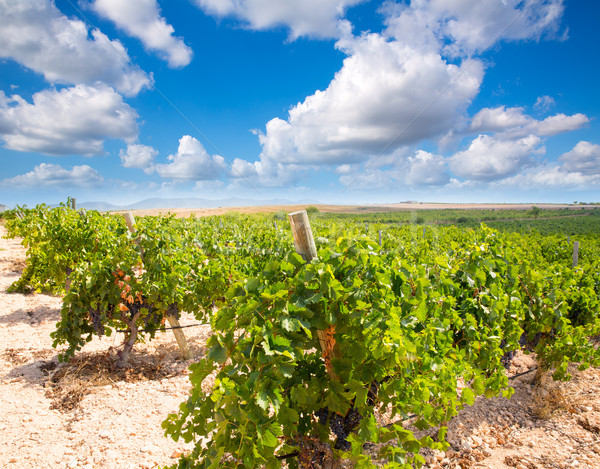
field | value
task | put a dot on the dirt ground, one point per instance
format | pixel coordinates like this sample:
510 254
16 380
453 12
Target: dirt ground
89 414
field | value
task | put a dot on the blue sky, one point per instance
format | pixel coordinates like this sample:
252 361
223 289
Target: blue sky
322 100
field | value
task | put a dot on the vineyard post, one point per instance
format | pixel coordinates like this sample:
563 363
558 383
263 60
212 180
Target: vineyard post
305 246
173 321
73 203
379 237
575 253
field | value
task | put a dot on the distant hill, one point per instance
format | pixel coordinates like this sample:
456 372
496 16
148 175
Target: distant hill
3 208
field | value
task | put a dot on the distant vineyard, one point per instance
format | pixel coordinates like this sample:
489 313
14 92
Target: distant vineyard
306 353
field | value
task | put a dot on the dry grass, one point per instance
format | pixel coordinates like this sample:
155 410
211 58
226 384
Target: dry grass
71 381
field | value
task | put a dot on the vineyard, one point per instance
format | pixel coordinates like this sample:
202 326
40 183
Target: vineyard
349 340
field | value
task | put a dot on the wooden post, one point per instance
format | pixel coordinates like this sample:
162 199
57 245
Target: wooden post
73 203
275 224
305 246
575 253
173 321
130 220
379 237
303 237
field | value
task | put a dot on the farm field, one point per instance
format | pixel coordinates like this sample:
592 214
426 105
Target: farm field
89 413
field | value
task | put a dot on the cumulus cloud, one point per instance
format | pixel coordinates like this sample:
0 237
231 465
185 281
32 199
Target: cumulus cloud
550 177
386 95
73 120
316 18
577 169
191 162
583 158
559 123
138 156
498 119
142 19
46 174
488 159
426 169
513 123
267 172
419 170
37 35
461 28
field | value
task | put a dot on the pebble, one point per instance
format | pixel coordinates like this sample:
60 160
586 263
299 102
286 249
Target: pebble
466 446
150 449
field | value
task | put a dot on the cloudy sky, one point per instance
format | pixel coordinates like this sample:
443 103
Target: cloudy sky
323 100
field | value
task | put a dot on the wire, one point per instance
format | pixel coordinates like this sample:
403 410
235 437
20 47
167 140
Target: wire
412 416
150 329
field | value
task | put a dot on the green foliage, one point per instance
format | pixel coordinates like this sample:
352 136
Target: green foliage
535 211
413 316
312 210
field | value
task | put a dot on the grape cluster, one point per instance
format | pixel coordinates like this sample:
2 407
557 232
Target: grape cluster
340 425
527 343
507 358
312 454
373 392
96 320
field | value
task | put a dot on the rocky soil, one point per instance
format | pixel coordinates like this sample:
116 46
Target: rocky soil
89 414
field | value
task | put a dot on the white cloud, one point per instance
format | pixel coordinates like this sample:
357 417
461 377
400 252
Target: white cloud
141 19
422 169
488 159
583 158
138 156
37 35
464 28
46 174
550 177
559 123
317 18
498 119
397 89
426 169
266 172
544 103
73 120
385 95
191 162
513 123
